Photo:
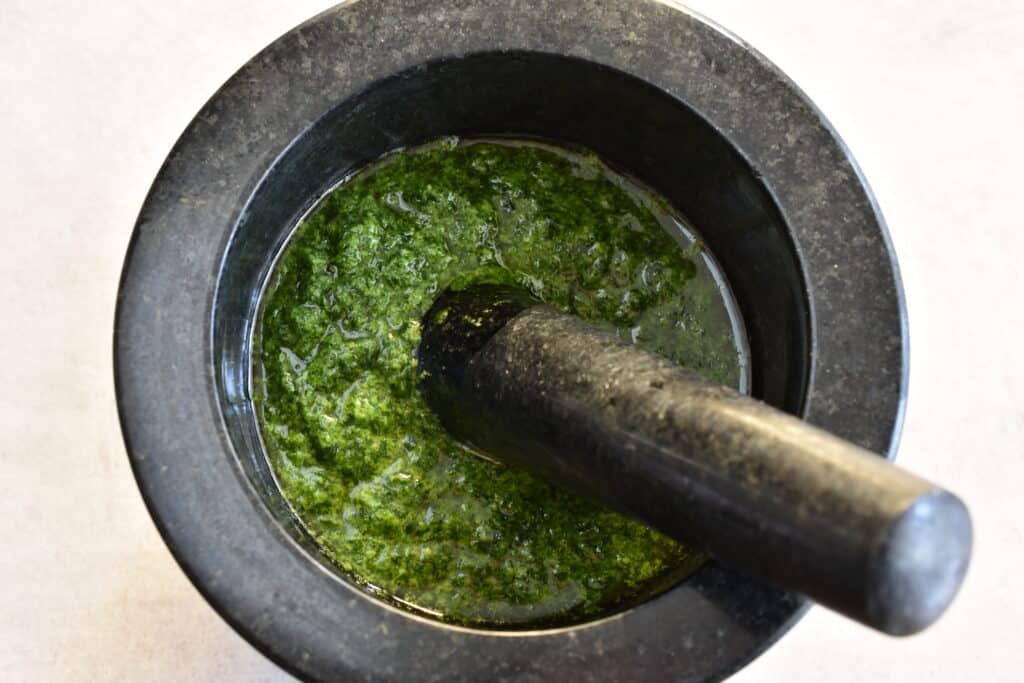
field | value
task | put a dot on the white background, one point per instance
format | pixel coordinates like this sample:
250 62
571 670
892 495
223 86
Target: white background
929 95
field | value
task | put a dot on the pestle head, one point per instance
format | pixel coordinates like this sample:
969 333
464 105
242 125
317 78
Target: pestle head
923 564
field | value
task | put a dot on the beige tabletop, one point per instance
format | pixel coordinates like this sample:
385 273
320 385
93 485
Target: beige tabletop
928 94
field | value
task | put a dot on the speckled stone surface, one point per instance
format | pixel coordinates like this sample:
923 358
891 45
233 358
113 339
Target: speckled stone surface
754 487
246 565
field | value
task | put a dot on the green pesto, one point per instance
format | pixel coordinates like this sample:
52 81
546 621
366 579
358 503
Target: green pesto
390 497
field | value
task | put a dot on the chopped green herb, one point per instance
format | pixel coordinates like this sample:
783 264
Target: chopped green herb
390 497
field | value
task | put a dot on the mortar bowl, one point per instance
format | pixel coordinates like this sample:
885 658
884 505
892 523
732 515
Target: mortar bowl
658 92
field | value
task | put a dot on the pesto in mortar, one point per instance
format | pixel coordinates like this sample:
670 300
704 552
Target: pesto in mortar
390 497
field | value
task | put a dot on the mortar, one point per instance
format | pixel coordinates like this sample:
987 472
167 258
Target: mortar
665 96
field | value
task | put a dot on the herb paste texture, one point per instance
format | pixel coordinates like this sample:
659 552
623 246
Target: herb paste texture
390 497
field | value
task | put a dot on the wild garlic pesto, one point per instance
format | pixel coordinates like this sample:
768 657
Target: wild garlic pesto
394 501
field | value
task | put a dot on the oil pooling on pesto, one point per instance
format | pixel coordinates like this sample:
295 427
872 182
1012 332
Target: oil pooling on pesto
390 497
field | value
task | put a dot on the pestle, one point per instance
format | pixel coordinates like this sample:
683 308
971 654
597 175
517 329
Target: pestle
757 489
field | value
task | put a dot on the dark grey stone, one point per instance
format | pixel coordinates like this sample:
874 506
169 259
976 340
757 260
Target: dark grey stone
220 207
758 489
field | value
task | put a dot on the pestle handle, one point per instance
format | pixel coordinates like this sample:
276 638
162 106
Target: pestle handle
759 490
